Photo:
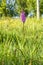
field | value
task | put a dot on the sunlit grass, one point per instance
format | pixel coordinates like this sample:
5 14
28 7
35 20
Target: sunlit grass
14 50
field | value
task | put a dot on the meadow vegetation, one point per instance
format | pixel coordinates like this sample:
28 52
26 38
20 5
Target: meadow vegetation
18 47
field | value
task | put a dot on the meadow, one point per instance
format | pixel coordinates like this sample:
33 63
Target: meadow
18 47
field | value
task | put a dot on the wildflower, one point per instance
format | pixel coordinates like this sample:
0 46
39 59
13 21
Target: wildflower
23 17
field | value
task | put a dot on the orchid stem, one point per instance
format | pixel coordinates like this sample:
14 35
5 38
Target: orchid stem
23 33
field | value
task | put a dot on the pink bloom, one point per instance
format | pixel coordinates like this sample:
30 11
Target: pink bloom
23 17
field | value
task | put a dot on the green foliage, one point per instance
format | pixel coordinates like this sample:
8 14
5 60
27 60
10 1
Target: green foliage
18 5
11 8
27 5
6 9
3 5
41 6
16 49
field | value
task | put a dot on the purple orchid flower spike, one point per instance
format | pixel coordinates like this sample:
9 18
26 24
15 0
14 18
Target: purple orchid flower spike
23 16
23 19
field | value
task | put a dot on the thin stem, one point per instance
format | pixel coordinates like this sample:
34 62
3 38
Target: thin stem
23 33
30 62
23 28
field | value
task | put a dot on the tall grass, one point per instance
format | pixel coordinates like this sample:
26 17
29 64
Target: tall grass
18 50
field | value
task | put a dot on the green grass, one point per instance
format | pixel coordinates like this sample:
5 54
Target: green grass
19 49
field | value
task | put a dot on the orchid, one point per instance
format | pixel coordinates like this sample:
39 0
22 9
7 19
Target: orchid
23 17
